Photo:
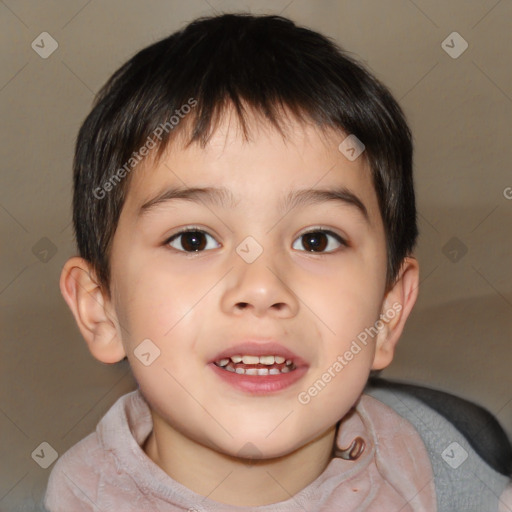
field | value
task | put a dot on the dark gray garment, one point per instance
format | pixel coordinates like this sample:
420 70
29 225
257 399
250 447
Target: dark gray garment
463 480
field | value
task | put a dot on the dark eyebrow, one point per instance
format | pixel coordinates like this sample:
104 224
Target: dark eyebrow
212 195
224 198
314 196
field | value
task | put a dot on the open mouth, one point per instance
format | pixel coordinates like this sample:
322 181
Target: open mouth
256 365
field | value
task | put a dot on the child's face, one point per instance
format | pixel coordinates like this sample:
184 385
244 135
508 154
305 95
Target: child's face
195 306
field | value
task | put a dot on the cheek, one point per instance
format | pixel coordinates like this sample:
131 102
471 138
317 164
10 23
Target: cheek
155 300
162 311
345 298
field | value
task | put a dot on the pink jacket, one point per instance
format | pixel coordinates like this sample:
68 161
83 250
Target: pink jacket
381 464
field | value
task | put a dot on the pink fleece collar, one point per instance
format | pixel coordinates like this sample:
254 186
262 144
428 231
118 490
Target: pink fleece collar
391 469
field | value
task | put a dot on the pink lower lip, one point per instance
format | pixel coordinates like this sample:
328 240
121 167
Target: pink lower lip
260 384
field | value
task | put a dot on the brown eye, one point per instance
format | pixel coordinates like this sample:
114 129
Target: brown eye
190 241
319 241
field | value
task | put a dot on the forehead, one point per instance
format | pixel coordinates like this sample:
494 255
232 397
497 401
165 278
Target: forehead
264 165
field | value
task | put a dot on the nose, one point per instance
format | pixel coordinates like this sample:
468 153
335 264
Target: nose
261 288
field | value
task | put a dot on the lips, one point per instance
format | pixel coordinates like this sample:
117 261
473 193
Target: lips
277 367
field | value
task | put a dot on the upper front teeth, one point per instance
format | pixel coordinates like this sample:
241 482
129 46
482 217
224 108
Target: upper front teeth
268 360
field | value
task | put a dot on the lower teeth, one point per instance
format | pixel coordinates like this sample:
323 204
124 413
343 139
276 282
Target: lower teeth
257 371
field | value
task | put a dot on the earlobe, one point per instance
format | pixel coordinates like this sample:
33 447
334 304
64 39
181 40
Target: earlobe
397 306
91 311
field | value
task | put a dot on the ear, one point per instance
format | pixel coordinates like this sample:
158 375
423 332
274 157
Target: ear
93 312
396 307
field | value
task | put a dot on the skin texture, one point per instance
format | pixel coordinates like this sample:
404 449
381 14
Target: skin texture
194 305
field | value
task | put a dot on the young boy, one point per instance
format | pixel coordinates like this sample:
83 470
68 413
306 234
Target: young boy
245 217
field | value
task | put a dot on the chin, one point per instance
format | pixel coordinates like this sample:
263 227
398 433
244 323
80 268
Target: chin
257 447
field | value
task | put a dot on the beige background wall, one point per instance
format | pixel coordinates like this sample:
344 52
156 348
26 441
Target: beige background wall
459 336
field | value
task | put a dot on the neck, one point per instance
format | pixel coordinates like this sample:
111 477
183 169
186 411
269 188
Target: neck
233 480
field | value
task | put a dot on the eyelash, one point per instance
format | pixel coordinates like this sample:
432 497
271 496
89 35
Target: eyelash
195 229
